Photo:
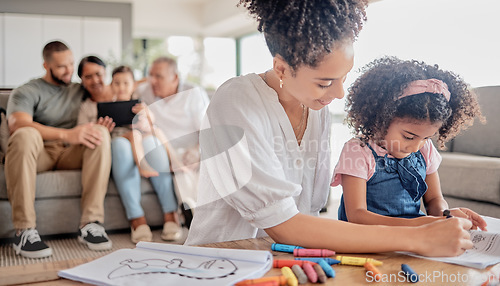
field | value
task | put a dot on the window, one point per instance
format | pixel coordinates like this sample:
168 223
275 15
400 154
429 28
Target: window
255 56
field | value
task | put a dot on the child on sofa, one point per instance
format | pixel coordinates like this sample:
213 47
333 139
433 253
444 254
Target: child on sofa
395 108
153 164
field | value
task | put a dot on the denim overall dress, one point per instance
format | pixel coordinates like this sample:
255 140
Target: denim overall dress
395 188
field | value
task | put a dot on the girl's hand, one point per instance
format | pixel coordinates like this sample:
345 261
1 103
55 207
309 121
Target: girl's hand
138 107
446 237
475 218
106 122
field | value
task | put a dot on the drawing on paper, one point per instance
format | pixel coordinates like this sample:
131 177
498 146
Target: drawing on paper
211 269
477 238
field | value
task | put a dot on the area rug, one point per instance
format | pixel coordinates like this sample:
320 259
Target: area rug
70 248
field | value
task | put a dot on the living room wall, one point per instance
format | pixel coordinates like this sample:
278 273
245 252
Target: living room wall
101 28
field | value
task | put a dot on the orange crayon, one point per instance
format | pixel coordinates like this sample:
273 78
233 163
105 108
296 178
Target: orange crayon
309 252
280 280
279 263
375 272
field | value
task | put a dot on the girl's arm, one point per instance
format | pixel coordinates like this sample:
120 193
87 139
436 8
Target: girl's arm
357 212
442 238
435 204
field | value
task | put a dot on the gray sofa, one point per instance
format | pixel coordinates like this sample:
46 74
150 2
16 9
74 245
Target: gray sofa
470 170
57 201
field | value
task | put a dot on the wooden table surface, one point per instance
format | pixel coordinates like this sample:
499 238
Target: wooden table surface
430 272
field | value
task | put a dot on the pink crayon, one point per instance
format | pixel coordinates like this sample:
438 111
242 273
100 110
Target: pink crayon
309 252
310 272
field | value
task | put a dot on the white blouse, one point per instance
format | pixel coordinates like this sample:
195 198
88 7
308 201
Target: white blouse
253 173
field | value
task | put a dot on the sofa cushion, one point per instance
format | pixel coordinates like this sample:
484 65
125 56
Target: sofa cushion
482 139
64 184
470 177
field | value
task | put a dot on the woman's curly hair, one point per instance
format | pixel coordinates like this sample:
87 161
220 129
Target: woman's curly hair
372 101
304 31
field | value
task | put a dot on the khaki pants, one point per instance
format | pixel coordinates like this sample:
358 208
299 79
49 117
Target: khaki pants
27 154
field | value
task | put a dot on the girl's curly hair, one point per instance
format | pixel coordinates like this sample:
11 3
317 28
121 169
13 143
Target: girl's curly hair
372 101
304 31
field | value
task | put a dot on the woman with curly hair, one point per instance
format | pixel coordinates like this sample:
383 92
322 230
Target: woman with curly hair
265 148
395 108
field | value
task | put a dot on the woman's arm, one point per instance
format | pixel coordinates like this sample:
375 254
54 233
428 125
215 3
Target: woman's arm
357 212
442 238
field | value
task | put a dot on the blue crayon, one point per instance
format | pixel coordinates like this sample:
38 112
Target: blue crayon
284 247
327 268
316 259
410 273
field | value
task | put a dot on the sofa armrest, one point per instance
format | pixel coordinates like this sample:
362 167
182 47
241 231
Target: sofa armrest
470 177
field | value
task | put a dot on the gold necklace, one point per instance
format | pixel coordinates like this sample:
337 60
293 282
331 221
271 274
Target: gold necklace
299 133
299 127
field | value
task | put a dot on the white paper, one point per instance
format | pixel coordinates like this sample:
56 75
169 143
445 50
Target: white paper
168 264
486 249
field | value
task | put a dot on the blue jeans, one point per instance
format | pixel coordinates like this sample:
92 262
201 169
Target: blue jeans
128 180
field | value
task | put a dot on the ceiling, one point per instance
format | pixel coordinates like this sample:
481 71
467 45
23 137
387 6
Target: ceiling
212 18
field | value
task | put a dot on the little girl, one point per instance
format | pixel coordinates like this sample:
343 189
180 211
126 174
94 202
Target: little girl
155 165
122 87
395 107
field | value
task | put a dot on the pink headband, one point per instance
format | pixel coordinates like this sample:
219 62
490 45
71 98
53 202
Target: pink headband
428 85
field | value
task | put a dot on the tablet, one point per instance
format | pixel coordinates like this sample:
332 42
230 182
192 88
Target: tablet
120 111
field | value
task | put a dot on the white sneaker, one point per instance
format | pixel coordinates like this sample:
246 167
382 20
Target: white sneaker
171 231
141 233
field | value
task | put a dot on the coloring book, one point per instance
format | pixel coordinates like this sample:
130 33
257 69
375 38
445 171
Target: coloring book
168 264
486 249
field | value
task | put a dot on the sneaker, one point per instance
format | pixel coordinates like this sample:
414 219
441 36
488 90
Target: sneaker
94 236
141 233
29 244
171 231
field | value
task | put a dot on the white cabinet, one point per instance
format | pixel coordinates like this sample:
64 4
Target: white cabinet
2 80
24 37
22 48
102 37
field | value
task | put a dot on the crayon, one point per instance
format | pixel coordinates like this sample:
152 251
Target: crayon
357 261
284 247
290 277
316 259
281 280
410 273
447 214
310 272
327 268
321 274
266 283
300 274
278 263
308 252
374 271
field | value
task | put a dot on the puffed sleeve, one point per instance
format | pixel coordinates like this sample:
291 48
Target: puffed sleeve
239 158
431 156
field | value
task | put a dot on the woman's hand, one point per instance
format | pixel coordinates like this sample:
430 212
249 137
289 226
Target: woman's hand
448 237
475 218
106 122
